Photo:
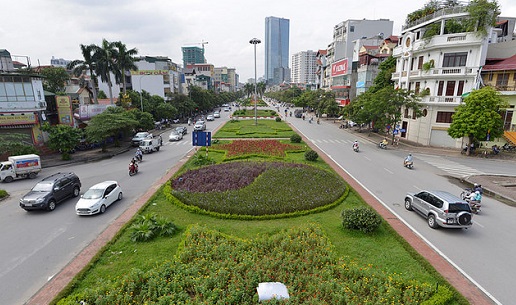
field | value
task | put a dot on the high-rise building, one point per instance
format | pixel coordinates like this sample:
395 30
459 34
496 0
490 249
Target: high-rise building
304 67
276 50
193 55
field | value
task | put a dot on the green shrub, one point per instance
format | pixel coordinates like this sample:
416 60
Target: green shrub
311 155
202 159
149 226
3 193
363 219
278 119
295 138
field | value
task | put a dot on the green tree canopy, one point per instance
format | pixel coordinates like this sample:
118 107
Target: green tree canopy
109 124
55 79
62 138
478 116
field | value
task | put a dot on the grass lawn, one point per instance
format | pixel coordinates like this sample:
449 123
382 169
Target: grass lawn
249 112
247 129
382 258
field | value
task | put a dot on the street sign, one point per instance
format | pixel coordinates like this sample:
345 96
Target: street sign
201 138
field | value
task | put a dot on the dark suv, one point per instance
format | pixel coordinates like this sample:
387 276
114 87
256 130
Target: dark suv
50 191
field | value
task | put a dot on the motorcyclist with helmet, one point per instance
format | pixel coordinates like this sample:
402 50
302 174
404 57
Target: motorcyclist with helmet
408 160
355 146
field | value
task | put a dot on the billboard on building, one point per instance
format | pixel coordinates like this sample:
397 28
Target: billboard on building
64 110
339 67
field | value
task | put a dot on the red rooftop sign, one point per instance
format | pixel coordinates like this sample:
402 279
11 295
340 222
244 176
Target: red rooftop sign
339 68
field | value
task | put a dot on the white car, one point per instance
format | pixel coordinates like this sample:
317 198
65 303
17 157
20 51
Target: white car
199 126
210 117
175 136
98 198
216 114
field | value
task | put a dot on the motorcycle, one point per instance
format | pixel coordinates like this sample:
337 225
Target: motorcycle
382 145
473 204
133 168
138 157
408 164
355 147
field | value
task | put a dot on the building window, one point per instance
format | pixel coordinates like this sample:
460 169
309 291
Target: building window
455 59
444 117
351 28
502 79
440 88
414 114
450 88
425 112
418 85
490 76
405 115
420 63
460 88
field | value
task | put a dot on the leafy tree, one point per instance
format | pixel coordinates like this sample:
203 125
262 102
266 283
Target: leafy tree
478 116
165 111
79 67
184 105
144 120
55 79
383 78
109 124
482 15
249 89
260 88
62 138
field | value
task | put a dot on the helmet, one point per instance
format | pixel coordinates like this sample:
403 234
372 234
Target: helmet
477 192
410 154
476 184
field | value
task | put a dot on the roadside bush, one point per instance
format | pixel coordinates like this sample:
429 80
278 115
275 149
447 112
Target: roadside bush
278 119
201 160
3 194
149 226
295 138
362 219
311 155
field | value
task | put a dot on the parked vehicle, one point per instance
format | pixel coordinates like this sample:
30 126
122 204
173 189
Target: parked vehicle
135 141
150 145
199 126
20 167
440 208
50 191
98 198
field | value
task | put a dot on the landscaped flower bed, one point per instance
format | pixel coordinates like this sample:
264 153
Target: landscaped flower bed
257 147
212 268
258 188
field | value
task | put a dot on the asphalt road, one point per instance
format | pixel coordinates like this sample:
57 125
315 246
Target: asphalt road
37 245
483 253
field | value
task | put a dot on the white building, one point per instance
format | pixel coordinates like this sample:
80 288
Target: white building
304 67
446 65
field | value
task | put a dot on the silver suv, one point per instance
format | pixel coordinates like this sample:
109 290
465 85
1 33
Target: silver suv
440 208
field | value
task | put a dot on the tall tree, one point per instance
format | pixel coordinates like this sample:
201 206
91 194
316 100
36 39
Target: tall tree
62 138
79 67
55 79
109 124
478 118
105 56
125 62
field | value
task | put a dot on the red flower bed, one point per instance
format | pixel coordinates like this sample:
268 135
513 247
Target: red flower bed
259 147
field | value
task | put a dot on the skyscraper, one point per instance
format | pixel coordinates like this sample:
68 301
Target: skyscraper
276 50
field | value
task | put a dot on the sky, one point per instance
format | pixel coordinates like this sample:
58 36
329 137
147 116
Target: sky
42 29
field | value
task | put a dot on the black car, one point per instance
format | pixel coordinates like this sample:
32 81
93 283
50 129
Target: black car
50 191
182 130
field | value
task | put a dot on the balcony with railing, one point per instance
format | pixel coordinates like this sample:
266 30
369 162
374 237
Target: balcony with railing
457 10
437 73
449 100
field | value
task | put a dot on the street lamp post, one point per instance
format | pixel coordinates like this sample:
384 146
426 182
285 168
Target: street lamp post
254 42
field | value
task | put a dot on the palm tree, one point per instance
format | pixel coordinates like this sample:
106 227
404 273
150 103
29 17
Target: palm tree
125 62
261 86
249 89
105 56
80 67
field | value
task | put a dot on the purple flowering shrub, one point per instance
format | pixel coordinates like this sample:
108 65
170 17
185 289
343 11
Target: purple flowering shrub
258 188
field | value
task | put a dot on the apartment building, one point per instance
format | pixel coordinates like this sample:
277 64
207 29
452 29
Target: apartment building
447 65
304 67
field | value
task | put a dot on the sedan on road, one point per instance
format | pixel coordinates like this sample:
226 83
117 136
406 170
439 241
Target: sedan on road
175 136
182 130
98 198
210 117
